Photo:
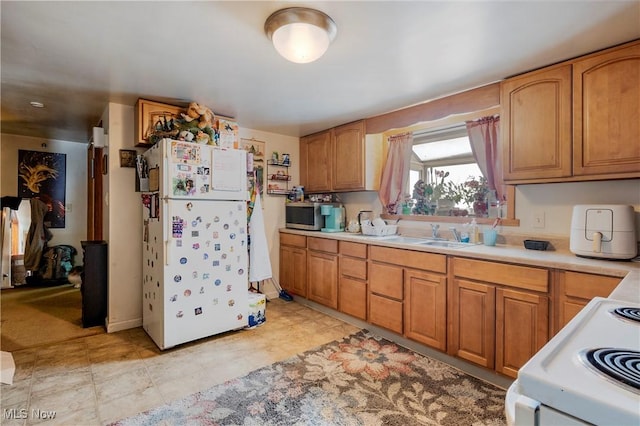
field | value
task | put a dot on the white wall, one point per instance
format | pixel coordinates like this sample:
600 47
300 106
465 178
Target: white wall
123 224
75 229
556 202
274 217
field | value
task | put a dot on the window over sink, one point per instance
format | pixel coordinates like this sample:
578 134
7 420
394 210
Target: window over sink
445 181
443 163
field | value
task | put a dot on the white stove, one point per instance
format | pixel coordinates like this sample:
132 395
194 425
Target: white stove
588 373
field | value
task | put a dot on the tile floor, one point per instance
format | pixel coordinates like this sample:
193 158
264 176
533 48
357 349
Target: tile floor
98 379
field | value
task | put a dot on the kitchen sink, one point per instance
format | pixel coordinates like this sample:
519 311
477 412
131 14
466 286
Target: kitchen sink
402 240
446 244
423 241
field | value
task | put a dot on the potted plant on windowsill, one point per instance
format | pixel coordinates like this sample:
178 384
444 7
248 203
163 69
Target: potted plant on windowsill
473 192
438 197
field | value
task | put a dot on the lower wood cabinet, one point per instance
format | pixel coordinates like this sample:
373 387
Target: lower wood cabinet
522 328
425 308
322 271
386 296
385 312
293 264
472 307
576 289
499 313
352 281
408 294
493 314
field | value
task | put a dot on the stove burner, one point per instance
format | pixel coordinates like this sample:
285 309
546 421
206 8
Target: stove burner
621 365
632 314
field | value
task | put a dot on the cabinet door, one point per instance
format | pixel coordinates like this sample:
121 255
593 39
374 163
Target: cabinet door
425 309
322 278
577 289
349 157
522 328
606 121
536 124
473 322
293 270
315 162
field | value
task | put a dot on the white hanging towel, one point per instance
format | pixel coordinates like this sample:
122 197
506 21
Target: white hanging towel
259 262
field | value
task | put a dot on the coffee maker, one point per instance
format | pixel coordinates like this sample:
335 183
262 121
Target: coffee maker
333 217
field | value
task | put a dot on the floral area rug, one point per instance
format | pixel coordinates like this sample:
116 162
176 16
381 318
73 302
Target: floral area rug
360 380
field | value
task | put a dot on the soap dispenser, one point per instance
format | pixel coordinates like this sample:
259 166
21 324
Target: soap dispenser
475 232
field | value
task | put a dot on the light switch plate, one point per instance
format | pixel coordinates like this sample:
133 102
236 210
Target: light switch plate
538 219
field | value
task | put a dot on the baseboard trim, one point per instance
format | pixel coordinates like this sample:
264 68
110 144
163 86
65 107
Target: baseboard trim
123 325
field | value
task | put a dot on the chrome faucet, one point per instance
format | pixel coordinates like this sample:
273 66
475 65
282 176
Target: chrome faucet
455 234
434 230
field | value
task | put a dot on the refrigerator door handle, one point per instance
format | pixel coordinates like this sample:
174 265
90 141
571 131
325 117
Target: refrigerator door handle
169 224
165 171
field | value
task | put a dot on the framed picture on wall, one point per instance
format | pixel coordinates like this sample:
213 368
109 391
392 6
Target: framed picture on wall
43 175
154 121
128 157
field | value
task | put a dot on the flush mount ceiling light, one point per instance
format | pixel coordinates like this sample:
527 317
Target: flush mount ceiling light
300 34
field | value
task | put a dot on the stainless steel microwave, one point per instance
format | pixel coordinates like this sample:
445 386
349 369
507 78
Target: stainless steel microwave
305 216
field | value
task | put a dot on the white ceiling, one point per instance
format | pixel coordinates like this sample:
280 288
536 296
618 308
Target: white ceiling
77 56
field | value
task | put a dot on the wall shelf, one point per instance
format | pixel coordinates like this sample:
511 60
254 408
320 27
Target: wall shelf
278 176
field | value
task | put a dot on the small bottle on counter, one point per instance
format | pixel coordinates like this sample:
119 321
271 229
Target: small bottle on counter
493 207
474 236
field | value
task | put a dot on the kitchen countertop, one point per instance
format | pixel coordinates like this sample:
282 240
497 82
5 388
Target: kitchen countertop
627 290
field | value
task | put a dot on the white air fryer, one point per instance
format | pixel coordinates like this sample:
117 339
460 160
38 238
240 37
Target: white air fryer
603 231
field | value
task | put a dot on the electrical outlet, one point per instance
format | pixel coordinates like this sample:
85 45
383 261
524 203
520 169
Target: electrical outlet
538 219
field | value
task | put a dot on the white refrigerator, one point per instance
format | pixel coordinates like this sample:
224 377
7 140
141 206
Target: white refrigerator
195 262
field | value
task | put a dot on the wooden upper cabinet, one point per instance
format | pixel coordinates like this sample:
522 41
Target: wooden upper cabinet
341 159
606 121
348 157
316 162
575 121
536 124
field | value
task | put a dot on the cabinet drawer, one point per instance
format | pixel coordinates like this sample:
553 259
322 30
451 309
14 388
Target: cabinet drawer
412 259
293 240
322 244
352 297
386 280
353 249
385 312
526 277
356 268
588 286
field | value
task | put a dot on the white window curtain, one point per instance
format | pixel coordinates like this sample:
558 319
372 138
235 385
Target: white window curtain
395 174
483 136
